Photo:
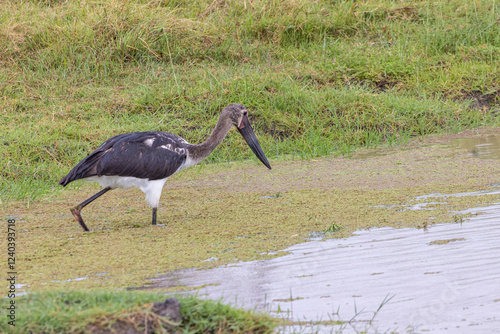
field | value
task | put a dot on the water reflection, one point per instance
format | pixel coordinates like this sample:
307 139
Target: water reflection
443 280
487 147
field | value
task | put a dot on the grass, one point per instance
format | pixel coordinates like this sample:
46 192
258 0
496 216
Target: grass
79 311
320 78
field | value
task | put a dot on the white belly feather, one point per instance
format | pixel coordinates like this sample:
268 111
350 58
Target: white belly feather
152 188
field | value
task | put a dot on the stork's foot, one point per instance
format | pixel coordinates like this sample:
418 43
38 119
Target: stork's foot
76 213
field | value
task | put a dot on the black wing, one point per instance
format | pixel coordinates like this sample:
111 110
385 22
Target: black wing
150 155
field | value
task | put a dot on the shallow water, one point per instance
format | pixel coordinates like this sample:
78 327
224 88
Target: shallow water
487 147
443 279
484 147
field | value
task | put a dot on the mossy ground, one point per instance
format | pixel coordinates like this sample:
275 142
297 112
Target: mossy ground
241 212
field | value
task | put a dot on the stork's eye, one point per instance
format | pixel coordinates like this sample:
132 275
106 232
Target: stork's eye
244 113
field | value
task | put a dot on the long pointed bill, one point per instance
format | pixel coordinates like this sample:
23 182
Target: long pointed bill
247 132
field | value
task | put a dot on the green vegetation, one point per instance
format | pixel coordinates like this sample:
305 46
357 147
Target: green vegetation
320 77
76 312
444 242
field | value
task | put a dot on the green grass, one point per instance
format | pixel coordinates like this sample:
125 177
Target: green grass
74 311
319 77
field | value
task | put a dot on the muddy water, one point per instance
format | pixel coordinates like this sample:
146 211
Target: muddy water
443 279
486 147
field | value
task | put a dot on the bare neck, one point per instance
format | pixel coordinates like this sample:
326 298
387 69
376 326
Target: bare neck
203 150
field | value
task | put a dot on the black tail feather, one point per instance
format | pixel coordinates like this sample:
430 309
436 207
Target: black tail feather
84 169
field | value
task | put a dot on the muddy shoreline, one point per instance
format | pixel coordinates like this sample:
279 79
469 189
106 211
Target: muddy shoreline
220 214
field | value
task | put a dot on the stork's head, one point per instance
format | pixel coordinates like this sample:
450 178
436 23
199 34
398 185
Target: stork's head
238 115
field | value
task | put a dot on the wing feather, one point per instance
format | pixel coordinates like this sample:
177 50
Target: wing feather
151 155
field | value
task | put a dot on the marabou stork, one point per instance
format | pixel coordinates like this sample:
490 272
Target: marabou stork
146 159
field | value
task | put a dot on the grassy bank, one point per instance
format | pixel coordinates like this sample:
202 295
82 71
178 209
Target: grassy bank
99 311
319 77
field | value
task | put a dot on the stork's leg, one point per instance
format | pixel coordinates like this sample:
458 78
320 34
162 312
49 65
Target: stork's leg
77 209
154 216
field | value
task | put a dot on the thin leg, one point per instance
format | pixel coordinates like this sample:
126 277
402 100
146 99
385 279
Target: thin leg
154 216
77 209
